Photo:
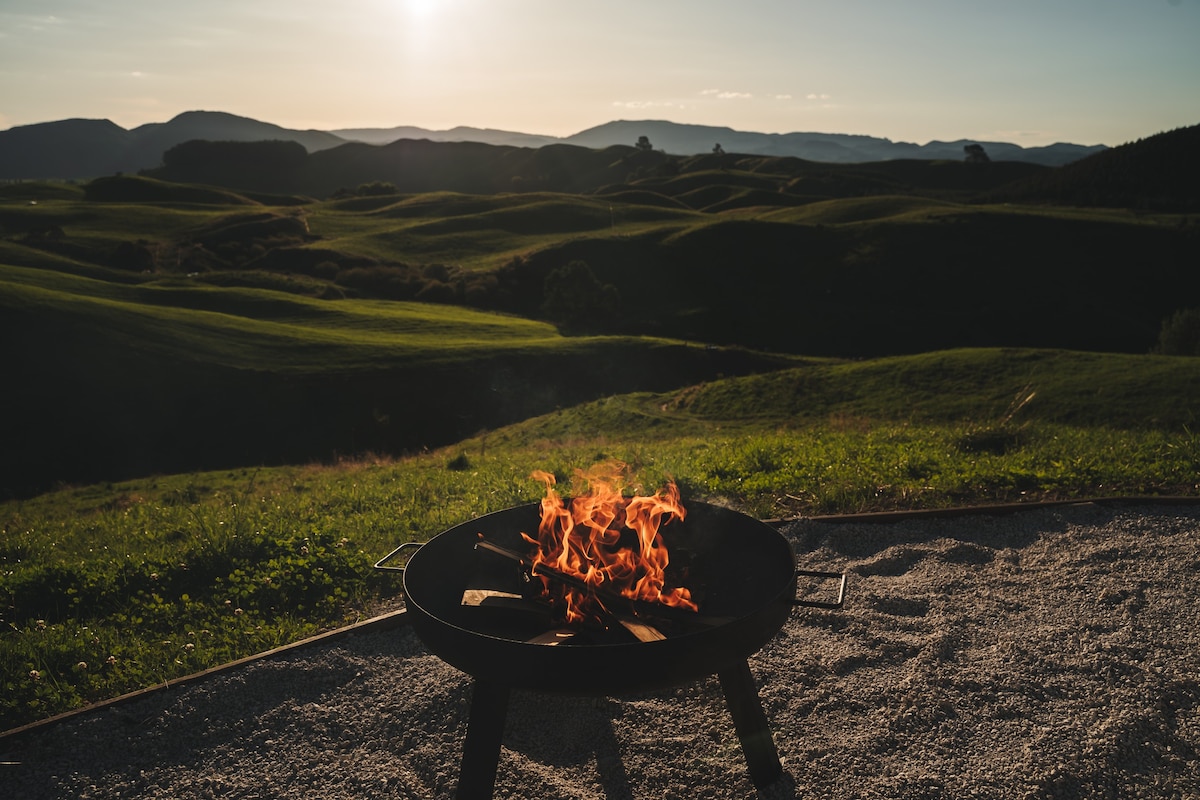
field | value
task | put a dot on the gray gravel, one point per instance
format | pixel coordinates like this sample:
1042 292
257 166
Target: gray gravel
1046 653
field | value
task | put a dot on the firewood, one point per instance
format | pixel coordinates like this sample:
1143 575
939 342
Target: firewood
642 610
553 637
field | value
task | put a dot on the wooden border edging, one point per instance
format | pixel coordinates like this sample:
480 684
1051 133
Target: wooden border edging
393 619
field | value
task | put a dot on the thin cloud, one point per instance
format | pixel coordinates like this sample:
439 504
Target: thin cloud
783 97
641 104
27 22
1008 136
815 96
722 94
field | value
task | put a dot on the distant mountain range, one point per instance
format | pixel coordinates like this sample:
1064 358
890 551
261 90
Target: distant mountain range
679 139
85 148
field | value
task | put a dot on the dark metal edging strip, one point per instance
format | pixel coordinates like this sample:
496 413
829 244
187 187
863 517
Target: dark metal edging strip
993 510
393 619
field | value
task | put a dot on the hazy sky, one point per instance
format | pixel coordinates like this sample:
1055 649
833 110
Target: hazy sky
1025 71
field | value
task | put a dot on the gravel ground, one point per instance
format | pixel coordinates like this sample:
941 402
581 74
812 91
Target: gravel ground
1046 653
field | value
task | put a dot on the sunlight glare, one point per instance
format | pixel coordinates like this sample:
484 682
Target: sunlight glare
419 9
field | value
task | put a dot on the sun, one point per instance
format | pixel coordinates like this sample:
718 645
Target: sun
419 9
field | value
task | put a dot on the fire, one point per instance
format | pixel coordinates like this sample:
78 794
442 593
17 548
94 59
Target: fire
608 542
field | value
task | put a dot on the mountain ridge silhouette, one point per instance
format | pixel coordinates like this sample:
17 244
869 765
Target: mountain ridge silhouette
86 148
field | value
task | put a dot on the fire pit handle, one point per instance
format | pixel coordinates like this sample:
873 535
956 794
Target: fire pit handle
382 563
832 576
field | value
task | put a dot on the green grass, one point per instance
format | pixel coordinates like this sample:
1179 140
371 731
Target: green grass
92 221
478 232
852 210
114 587
163 373
265 330
140 189
38 191
1091 389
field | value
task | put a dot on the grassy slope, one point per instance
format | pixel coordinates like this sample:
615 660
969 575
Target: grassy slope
976 390
263 330
144 580
824 278
477 232
166 375
1089 389
871 275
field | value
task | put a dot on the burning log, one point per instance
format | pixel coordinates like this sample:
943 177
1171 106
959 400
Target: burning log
605 543
609 600
553 637
493 598
599 561
511 602
640 630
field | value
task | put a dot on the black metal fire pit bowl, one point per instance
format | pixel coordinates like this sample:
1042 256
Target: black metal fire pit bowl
742 571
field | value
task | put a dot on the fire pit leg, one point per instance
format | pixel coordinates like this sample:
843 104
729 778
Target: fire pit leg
481 750
751 725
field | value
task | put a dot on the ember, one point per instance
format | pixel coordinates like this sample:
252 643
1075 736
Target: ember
606 545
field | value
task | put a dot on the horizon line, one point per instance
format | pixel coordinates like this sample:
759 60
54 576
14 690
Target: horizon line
334 130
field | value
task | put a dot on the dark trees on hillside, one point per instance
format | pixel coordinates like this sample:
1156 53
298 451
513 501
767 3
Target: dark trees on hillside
373 189
1153 174
240 165
577 302
643 143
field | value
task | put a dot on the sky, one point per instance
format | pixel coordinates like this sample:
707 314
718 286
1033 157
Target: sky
1031 72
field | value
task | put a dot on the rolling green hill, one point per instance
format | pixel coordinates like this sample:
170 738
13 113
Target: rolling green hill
855 276
161 326
121 379
983 384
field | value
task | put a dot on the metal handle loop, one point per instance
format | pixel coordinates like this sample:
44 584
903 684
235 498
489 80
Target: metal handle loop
381 563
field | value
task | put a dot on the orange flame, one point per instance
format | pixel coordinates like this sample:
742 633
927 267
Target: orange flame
609 542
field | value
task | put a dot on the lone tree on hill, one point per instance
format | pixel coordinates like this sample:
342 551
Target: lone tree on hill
643 143
976 154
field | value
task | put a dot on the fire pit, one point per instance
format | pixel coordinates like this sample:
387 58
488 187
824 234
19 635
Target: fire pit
467 593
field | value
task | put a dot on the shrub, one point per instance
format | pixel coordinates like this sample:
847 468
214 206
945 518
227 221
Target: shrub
434 291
